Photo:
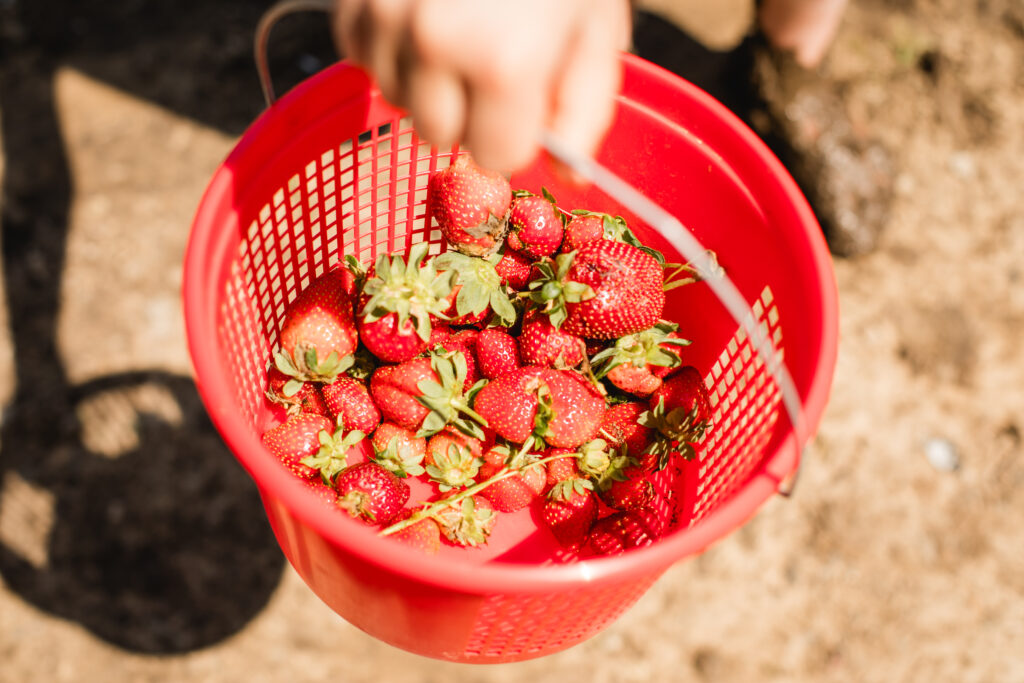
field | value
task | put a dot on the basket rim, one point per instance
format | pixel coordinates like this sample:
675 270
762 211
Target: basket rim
209 242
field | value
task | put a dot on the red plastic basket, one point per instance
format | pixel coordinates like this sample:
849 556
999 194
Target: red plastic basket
332 169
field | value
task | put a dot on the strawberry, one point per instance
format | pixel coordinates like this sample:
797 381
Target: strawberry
619 532
349 404
453 459
295 439
423 534
514 270
398 302
425 394
569 511
370 493
590 226
318 332
636 363
679 414
581 229
517 490
630 492
399 449
470 205
497 352
558 407
477 292
620 426
535 225
467 522
467 356
561 468
627 285
440 332
324 492
295 396
541 343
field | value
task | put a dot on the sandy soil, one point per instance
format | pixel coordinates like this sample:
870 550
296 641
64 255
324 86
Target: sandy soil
132 547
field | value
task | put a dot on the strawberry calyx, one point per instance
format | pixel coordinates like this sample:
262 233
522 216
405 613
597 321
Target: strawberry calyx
602 463
398 457
568 488
305 366
481 286
332 456
641 349
454 468
465 523
411 290
551 290
447 401
675 431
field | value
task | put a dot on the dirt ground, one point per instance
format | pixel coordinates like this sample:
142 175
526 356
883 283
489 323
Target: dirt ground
134 548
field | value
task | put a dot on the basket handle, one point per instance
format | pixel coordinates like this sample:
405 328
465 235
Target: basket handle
627 195
271 16
721 285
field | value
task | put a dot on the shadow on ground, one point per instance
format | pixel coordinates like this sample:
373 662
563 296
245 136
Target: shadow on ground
158 541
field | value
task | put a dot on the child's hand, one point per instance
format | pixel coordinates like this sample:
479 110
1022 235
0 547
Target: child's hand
492 74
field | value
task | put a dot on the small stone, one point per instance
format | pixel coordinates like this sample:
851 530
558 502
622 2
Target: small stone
942 455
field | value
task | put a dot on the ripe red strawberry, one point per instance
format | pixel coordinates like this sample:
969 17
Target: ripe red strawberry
535 225
399 449
478 292
295 439
426 394
632 492
468 522
423 535
621 427
295 396
514 270
453 459
370 493
349 404
319 332
540 343
558 407
324 492
582 229
561 468
570 511
627 285
514 491
470 205
497 352
440 332
637 362
399 299
680 413
619 532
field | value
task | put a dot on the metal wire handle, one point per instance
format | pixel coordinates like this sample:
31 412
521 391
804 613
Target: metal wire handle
627 195
270 17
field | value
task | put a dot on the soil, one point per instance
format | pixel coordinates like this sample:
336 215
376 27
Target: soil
133 547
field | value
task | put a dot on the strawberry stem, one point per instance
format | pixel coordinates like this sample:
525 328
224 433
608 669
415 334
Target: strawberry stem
431 509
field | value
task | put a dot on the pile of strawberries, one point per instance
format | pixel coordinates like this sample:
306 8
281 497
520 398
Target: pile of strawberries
528 365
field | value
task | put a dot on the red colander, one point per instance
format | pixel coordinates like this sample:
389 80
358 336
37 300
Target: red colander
332 169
